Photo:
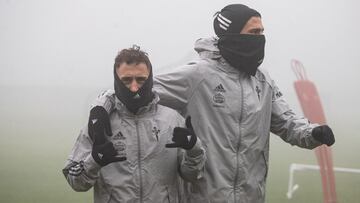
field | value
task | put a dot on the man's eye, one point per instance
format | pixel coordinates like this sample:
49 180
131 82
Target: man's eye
256 31
126 80
129 80
141 79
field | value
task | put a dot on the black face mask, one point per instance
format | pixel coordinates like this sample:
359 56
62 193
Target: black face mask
134 100
244 52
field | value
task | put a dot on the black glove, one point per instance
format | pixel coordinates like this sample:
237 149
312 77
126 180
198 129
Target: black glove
183 137
324 135
100 117
103 151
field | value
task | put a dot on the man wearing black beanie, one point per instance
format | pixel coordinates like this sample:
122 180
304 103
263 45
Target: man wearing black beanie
234 106
241 41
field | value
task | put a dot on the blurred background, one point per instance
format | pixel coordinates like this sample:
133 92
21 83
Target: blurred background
56 56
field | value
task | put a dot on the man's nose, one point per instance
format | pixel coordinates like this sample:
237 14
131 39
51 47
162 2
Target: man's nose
134 86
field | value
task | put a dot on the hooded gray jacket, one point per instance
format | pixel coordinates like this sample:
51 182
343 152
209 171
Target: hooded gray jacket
233 114
151 171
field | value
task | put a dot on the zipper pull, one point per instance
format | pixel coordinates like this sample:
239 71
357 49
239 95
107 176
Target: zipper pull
156 132
257 89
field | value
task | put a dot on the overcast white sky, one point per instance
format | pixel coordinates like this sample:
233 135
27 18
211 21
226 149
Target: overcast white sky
74 42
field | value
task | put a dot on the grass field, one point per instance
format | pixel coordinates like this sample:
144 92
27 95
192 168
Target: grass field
39 127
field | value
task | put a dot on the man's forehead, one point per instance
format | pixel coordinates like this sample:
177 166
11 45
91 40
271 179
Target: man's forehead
254 21
133 69
254 25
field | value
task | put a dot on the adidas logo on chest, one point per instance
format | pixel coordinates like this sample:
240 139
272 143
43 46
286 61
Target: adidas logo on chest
219 88
218 97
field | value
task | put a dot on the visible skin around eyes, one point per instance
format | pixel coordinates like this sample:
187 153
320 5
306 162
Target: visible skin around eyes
253 26
133 75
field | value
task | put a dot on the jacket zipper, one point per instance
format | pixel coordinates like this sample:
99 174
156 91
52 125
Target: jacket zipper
239 141
139 159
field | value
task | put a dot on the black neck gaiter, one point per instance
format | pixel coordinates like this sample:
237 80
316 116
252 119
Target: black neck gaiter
134 100
244 52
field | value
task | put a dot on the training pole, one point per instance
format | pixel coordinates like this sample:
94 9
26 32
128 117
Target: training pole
312 108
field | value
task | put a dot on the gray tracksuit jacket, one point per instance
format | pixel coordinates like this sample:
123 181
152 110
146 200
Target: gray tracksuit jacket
233 114
151 172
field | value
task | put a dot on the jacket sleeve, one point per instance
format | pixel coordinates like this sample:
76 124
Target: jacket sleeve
106 100
176 88
81 171
292 128
192 162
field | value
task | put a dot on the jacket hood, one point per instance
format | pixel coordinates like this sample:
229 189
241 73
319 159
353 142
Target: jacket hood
207 48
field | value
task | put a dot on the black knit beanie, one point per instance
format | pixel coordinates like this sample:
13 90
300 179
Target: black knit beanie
232 18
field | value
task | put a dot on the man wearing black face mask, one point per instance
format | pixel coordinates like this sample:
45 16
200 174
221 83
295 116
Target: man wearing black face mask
241 41
128 155
234 106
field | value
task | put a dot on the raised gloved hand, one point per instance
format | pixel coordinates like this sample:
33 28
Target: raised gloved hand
183 137
103 151
323 134
100 117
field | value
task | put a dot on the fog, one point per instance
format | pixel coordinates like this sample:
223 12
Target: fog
73 43
57 55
